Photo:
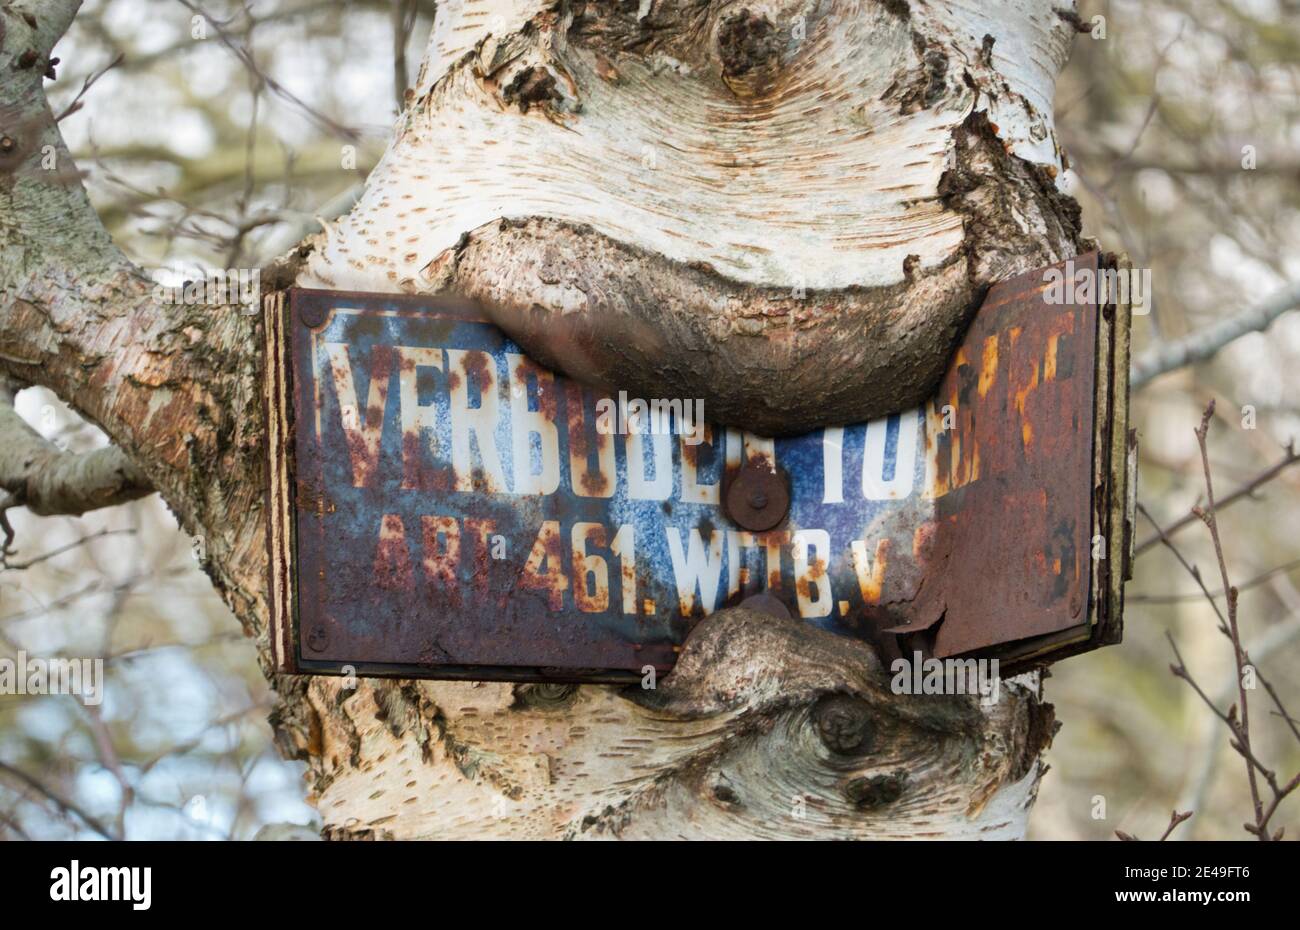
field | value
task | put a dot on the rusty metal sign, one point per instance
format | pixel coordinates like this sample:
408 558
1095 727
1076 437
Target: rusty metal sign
441 506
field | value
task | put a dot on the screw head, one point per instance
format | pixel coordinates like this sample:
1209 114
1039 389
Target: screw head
758 496
311 315
318 639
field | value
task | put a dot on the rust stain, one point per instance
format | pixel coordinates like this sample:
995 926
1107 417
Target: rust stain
989 546
393 570
989 365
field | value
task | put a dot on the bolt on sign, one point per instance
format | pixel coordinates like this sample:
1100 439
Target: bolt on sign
441 506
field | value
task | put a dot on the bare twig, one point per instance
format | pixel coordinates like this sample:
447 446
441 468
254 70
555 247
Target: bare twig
1279 636
13 825
1230 719
404 12
62 803
1175 818
1246 490
1205 343
89 82
64 600
1194 596
1211 521
1237 718
6 565
111 760
242 53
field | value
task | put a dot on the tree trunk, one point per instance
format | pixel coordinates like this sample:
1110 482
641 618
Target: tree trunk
787 208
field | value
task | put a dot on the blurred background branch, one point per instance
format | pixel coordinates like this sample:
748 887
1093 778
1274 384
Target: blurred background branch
211 135
1205 343
1180 119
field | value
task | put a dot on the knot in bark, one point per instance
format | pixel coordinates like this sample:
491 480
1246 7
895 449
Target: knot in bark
544 695
843 723
749 49
869 792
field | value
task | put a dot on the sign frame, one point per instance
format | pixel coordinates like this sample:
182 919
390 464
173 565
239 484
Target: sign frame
296 632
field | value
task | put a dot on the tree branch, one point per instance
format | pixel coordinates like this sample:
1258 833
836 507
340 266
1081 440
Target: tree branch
1194 596
404 13
1237 718
1246 490
62 803
48 481
174 385
246 58
7 566
1205 343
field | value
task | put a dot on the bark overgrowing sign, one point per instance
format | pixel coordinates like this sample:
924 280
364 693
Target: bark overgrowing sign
442 506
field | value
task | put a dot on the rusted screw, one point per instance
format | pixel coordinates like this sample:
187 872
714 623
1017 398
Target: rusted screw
318 639
843 723
311 315
757 497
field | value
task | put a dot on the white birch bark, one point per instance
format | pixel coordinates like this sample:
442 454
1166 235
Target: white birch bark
805 197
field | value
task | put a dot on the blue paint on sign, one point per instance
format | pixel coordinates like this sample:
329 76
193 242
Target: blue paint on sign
452 478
